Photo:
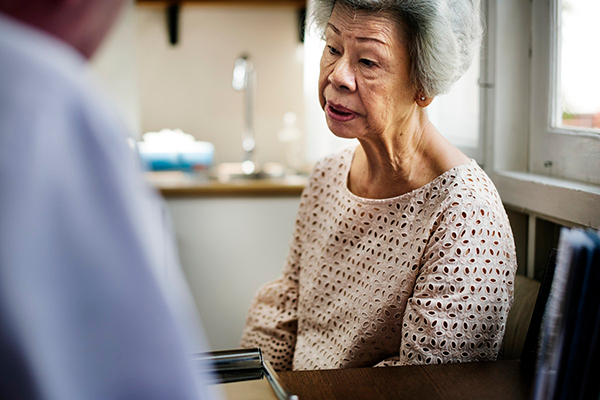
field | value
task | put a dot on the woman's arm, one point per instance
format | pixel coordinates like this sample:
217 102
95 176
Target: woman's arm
272 323
464 290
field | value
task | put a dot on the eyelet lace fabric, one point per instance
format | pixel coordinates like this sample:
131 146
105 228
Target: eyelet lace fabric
422 278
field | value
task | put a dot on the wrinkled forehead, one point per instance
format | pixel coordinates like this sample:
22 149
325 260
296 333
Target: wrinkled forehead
356 22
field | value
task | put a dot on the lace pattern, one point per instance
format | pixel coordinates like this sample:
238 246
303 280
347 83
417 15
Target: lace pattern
425 277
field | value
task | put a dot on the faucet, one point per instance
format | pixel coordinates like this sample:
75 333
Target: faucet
244 79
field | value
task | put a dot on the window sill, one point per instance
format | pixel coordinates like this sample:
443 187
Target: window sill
563 201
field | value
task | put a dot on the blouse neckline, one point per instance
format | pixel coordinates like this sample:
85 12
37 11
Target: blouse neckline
350 151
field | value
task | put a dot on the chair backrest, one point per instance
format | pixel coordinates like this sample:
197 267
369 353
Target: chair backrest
519 317
531 346
523 325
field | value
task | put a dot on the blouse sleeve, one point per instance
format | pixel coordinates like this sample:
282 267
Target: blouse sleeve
272 322
463 291
272 319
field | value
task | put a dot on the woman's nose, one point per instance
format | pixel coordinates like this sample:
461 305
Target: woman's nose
342 76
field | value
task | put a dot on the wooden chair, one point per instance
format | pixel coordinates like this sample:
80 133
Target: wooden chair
524 322
519 317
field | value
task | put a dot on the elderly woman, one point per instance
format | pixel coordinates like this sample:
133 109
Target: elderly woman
402 251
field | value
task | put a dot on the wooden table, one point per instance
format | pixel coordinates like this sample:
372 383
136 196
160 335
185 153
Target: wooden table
486 380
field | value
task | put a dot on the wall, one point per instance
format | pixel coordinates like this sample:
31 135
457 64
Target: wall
115 65
188 86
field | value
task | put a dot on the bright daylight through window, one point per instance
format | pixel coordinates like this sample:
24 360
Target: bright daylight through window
577 97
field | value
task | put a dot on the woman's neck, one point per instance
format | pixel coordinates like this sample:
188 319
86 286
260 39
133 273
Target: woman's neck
401 161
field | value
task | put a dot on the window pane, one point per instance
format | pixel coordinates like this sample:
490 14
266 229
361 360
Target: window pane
578 65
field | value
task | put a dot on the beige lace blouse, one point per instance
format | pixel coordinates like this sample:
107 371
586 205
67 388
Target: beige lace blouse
422 278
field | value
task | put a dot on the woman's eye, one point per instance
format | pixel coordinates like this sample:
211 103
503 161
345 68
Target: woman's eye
367 63
333 50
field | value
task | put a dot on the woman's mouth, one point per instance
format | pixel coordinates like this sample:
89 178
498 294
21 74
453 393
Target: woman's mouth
339 113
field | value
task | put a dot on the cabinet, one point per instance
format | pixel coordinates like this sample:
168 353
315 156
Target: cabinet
229 246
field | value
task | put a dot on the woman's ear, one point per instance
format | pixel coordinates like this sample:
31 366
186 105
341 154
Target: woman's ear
423 101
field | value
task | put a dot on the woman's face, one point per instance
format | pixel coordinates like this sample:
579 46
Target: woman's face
364 85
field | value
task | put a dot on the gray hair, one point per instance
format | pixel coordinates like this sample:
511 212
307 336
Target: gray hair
442 35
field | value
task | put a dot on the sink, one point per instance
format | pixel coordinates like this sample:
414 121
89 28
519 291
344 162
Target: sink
226 172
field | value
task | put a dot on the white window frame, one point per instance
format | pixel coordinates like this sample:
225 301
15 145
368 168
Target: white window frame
516 109
562 152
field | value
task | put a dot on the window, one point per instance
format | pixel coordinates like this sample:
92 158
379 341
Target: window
540 166
565 90
546 171
577 66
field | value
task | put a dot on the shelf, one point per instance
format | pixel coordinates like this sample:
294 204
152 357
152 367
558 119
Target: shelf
294 3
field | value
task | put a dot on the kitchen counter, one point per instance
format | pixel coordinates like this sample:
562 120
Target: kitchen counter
174 184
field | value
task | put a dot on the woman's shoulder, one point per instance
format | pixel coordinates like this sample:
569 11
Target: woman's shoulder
470 195
462 181
471 180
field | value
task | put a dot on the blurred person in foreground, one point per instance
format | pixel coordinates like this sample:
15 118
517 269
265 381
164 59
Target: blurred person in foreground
402 251
92 301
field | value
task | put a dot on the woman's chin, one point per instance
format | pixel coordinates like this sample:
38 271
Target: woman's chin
343 134
342 130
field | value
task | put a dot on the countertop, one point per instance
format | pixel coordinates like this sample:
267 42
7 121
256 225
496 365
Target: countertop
173 184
